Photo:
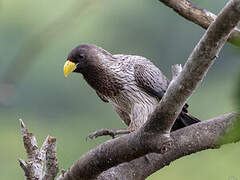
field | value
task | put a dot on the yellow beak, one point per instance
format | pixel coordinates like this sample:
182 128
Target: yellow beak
69 67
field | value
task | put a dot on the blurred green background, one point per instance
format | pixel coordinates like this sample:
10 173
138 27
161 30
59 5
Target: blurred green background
35 38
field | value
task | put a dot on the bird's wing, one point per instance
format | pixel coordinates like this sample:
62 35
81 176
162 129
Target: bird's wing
104 99
150 79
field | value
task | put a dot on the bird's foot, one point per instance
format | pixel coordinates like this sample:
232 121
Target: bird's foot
107 132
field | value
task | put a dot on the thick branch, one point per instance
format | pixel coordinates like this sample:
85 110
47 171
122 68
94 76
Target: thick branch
195 138
199 16
153 136
196 67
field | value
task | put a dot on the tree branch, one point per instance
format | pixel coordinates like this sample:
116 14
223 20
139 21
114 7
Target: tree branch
196 67
154 135
33 168
51 169
205 135
200 16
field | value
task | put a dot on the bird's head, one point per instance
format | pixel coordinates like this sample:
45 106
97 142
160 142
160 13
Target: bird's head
83 57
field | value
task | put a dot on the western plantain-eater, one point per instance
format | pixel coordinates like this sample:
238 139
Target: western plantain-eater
132 84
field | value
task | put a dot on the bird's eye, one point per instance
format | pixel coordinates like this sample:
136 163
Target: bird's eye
81 56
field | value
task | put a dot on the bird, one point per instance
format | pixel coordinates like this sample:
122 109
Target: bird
132 84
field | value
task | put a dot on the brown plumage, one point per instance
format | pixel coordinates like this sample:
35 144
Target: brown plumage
132 84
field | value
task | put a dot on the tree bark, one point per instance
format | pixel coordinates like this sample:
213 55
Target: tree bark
34 167
208 134
199 16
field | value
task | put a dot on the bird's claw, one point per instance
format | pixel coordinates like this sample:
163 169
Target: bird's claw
102 132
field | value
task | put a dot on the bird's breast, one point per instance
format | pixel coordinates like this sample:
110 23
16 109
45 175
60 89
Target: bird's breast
132 95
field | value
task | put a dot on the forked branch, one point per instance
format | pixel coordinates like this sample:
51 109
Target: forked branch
34 167
208 134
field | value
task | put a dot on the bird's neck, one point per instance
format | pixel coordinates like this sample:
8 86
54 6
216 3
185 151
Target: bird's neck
103 80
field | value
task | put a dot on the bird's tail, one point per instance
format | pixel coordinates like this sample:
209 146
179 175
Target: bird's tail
183 120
